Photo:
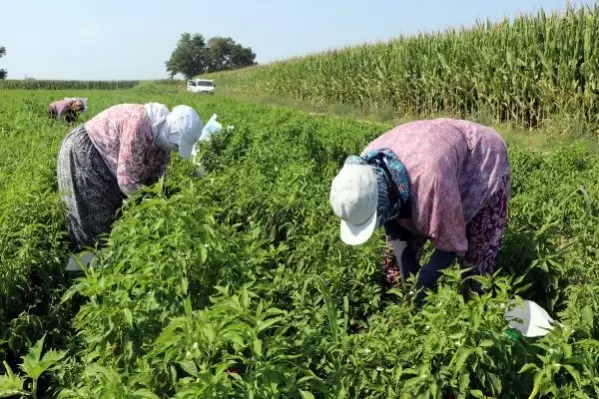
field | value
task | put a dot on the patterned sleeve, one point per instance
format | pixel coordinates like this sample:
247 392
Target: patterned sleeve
60 106
445 222
53 107
135 144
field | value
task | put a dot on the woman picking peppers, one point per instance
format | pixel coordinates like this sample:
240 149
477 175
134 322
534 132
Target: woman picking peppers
443 180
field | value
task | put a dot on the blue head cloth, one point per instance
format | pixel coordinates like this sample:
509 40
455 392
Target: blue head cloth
392 181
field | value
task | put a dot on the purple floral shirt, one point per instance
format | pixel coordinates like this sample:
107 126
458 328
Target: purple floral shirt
454 166
123 136
60 106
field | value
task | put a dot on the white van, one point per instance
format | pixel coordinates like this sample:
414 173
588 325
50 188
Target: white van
201 86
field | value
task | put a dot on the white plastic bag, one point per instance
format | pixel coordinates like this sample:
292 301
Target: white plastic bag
528 318
81 260
212 127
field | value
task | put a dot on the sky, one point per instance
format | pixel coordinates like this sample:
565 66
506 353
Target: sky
132 39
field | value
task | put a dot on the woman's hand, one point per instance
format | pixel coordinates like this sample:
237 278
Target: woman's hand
430 273
406 259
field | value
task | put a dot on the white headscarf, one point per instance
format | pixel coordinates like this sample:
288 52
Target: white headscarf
179 129
185 123
160 130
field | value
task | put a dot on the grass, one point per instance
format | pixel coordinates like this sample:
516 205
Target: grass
554 133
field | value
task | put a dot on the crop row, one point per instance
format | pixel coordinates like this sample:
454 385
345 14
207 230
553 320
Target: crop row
79 84
235 284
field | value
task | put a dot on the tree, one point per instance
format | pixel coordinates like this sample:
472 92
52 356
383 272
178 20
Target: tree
242 57
188 58
225 54
193 56
3 72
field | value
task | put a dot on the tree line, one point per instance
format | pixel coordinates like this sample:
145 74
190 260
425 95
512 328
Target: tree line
194 56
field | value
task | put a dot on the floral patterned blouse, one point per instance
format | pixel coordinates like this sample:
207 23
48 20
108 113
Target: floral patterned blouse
59 107
454 166
123 136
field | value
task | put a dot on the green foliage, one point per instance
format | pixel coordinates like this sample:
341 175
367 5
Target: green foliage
32 235
225 54
236 285
174 82
188 57
34 365
527 70
193 56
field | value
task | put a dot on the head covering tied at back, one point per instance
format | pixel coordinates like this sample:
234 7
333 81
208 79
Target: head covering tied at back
375 184
81 99
180 128
185 123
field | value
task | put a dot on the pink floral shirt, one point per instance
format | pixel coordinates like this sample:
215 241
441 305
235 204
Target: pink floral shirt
123 136
60 106
454 167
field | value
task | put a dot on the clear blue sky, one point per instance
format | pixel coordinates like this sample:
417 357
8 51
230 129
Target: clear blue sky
131 39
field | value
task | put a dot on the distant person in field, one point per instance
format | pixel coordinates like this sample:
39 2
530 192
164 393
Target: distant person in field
443 180
68 108
115 153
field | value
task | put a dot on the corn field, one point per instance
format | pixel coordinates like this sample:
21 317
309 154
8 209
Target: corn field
523 70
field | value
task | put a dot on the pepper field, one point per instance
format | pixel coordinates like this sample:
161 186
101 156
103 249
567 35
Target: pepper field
236 284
